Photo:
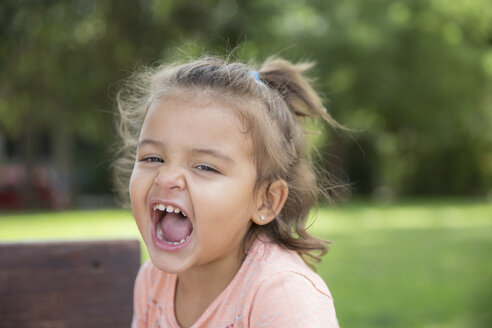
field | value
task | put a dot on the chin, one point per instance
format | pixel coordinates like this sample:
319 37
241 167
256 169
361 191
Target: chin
166 262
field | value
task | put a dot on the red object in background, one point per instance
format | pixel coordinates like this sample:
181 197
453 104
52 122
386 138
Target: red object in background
15 180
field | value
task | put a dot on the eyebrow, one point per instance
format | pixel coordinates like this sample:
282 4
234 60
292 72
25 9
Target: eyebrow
149 142
205 151
213 153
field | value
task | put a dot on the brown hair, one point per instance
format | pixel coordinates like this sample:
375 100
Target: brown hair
272 104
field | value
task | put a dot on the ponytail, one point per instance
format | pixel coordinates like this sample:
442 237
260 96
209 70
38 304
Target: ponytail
295 88
292 92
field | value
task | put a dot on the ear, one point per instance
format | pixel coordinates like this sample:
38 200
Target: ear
271 199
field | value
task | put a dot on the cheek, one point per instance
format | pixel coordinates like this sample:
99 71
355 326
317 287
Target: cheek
137 188
229 201
132 187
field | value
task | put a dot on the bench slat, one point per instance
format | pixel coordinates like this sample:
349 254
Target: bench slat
68 284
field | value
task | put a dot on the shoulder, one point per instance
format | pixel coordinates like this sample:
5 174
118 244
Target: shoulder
145 272
151 278
289 294
281 264
153 293
290 299
297 284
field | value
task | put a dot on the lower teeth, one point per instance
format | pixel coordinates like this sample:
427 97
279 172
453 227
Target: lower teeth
160 236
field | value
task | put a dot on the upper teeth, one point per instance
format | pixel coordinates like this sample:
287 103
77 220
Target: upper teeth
168 209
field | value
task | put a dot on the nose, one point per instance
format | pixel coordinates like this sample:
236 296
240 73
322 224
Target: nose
170 178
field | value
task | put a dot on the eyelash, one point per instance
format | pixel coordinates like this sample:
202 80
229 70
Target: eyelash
152 159
206 168
201 167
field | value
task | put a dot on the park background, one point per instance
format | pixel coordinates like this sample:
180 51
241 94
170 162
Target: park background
411 79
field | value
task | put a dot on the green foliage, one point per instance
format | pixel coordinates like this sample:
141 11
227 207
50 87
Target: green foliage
412 78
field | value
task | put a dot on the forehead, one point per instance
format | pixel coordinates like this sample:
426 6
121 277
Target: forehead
198 119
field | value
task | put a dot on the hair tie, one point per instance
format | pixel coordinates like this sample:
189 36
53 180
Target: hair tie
256 76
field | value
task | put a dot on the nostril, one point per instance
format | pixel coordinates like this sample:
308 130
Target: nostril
170 179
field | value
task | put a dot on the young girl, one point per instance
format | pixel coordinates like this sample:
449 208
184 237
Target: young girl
221 185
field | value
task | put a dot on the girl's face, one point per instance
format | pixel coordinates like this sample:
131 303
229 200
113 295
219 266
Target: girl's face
193 159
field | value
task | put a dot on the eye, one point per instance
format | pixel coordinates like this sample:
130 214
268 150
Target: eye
206 168
152 159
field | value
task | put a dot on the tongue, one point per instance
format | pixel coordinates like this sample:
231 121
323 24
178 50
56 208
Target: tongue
175 227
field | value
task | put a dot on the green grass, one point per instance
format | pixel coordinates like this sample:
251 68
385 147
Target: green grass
412 264
416 264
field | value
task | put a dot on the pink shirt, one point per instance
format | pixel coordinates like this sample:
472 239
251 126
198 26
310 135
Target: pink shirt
273 288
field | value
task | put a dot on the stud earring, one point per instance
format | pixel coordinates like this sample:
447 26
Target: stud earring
262 218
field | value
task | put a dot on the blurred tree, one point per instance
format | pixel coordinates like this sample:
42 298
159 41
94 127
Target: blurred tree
60 63
413 76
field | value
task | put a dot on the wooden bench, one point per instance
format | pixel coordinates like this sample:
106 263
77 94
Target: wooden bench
68 284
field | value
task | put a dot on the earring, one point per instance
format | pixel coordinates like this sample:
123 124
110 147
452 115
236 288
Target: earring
262 218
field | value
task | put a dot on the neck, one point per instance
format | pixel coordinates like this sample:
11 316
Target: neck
212 278
197 288
209 280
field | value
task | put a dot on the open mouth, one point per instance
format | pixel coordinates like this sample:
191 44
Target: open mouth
172 226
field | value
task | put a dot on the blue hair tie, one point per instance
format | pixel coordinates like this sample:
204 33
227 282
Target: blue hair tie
256 75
